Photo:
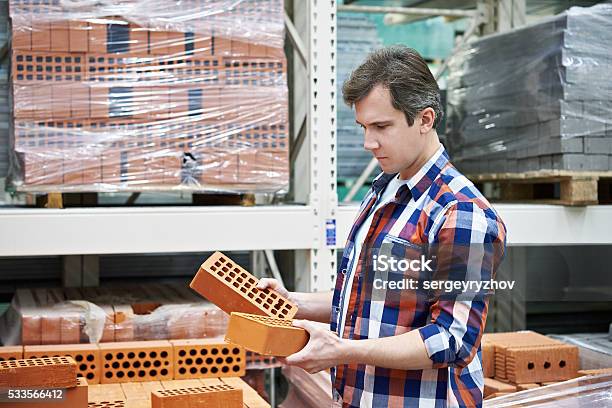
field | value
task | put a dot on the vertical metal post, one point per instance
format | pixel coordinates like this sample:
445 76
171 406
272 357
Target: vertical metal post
315 21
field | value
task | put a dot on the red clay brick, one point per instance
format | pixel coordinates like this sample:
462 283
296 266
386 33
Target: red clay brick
31 325
488 358
22 38
596 371
222 46
239 48
541 363
158 42
11 353
61 105
60 36
51 328
53 372
205 358
79 101
139 39
86 356
136 361
233 289
75 397
265 335
92 169
78 33
124 323
70 328
108 404
202 46
176 43
111 166
492 386
97 38
41 36
108 332
213 396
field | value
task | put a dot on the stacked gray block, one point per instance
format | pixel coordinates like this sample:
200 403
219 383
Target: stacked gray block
357 36
536 98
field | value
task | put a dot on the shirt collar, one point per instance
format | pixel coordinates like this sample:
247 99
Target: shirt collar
422 180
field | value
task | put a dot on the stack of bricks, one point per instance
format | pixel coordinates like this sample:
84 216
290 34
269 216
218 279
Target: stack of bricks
34 317
547 110
59 374
106 104
520 361
142 361
261 320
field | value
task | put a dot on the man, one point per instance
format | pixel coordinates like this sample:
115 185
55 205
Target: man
413 346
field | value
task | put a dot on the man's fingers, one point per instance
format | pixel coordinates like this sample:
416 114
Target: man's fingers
267 283
304 324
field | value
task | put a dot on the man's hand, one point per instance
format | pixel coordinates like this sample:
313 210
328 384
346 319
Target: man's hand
323 350
273 284
311 306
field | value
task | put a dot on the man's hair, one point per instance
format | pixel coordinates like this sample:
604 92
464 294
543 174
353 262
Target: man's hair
404 73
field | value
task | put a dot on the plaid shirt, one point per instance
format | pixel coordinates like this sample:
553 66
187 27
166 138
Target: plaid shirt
438 206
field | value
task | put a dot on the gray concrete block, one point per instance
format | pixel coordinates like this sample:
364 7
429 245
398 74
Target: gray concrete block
598 144
581 162
546 162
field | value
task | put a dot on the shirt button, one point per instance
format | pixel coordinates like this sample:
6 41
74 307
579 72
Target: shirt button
343 271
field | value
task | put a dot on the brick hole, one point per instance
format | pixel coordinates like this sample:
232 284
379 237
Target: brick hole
225 369
78 358
83 367
236 368
203 370
217 263
530 366
209 360
182 353
90 357
214 351
109 374
546 364
136 364
243 289
146 364
120 374
214 370
229 360
166 363
153 354
163 371
219 273
163 354
182 370
250 294
562 363
189 361
219 360
131 374
157 363
126 364
106 366
120 356
116 365
141 373
131 355
90 376
153 372
142 354
224 351
227 279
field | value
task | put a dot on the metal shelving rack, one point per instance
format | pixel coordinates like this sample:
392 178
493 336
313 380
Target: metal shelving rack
314 230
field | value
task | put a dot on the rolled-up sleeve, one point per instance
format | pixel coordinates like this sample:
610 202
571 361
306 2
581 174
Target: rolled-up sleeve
469 244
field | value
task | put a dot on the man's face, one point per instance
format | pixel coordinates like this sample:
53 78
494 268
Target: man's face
394 143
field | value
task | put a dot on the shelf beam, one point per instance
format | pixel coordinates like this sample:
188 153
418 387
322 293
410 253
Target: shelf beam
532 224
82 231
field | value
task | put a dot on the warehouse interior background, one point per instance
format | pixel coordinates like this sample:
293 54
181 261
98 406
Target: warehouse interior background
558 252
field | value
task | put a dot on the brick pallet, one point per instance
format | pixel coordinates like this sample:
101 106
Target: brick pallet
112 104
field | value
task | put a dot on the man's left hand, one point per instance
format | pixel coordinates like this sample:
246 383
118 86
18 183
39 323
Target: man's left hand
324 349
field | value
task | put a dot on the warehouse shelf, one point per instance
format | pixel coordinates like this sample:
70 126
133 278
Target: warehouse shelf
532 224
104 230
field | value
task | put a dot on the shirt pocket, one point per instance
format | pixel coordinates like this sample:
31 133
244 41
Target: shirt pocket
400 268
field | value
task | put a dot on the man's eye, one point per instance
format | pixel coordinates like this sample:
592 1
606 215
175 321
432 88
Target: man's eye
381 126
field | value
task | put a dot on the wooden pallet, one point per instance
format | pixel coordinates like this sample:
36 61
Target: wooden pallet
560 187
65 200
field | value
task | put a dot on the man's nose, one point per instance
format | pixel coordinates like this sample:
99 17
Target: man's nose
369 143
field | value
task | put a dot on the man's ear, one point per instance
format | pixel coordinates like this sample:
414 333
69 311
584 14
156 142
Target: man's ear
428 117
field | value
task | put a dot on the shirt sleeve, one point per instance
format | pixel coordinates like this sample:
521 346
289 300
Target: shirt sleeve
469 243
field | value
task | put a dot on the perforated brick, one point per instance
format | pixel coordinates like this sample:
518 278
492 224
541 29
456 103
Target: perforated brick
221 395
87 357
265 335
11 353
492 386
202 358
48 66
541 363
233 289
107 404
136 361
56 372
